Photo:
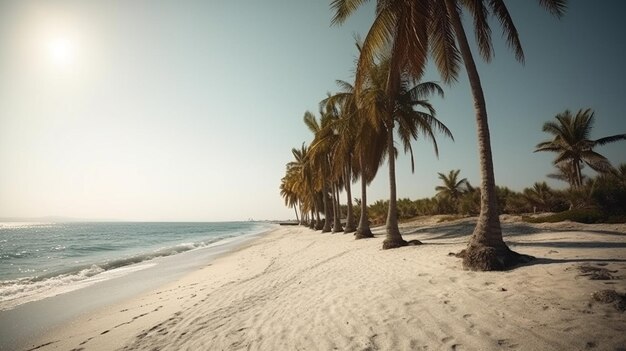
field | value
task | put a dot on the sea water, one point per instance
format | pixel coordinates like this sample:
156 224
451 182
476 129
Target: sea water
38 260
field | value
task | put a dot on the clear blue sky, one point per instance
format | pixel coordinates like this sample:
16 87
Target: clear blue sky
188 110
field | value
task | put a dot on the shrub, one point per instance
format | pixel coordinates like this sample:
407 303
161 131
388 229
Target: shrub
580 215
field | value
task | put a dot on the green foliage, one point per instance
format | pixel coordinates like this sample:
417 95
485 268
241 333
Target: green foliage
580 215
377 212
406 208
609 194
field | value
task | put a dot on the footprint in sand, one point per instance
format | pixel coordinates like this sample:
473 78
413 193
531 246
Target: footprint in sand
471 325
507 343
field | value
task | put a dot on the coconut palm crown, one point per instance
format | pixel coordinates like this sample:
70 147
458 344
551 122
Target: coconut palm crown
573 144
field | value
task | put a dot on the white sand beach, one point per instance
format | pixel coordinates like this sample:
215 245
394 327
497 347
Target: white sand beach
298 289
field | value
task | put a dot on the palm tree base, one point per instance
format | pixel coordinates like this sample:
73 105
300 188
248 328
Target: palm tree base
349 229
487 258
337 229
319 225
394 243
326 228
363 233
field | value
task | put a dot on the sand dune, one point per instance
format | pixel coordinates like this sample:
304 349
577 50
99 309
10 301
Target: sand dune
296 289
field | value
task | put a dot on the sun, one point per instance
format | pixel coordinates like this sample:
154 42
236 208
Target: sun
61 51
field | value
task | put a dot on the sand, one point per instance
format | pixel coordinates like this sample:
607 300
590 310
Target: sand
297 289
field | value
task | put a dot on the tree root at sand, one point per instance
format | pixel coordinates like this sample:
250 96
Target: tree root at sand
487 258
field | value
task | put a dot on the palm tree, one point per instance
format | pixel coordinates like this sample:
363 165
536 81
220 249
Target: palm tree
363 145
566 172
342 129
385 108
319 160
539 196
288 193
297 187
452 187
574 147
337 154
415 29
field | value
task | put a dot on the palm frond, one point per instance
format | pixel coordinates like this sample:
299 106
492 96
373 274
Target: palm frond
555 7
443 43
610 139
512 37
481 27
343 9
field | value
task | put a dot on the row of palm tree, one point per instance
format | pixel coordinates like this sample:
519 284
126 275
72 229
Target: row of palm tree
415 30
351 140
394 54
362 117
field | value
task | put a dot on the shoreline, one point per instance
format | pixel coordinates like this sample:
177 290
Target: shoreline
294 288
21 324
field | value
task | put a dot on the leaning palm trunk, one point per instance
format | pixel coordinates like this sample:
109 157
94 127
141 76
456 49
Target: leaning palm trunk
312 222
318 223
350 214
337 213
363 230
327 215
579 174
486 249
393 238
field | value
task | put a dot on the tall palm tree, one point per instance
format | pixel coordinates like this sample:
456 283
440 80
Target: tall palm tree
318 159
342 129
415 29
574 147
287 191
363 146
406 106
452 187
329 139
298 183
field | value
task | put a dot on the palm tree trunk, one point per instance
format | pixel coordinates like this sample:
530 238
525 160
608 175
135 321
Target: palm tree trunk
318 223
338 215
327 215
336 210
295 209
350 215
486 249
393 238
579 174
363 230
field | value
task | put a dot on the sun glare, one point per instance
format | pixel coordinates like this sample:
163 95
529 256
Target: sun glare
61 51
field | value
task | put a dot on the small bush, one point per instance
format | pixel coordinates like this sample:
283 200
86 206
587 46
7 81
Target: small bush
580 215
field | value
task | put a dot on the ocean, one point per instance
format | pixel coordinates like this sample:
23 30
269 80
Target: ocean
39 260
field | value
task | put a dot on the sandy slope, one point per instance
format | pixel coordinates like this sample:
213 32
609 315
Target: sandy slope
295 289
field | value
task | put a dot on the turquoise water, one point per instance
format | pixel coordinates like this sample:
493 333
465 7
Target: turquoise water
38 256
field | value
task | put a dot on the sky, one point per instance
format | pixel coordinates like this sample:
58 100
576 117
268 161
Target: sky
188 110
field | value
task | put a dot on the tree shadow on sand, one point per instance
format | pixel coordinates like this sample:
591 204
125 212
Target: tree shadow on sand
465 228
571 244
544 260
